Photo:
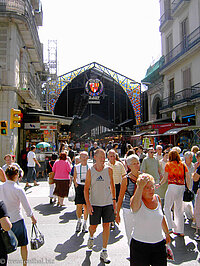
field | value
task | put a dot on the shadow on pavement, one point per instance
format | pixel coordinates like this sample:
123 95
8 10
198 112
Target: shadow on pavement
183 252
48 209
67 216
87 261
114 237
70 246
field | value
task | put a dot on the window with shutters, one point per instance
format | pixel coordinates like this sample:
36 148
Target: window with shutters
187 83
169 47
187 78
184 33
171 90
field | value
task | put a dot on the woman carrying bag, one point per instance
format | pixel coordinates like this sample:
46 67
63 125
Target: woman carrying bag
6 225
14 196
174 173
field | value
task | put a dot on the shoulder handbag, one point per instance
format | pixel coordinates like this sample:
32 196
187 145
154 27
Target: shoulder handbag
37 238
9 240
188 194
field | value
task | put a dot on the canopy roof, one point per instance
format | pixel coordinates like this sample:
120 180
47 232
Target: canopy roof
120 100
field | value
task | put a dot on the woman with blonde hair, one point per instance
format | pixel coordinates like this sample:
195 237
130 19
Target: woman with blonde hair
150 231
194 150
174 173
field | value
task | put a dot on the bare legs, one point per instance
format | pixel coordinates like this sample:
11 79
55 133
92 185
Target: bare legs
24 254
79 211
105 235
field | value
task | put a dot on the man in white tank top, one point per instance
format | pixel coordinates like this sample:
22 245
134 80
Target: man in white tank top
100 199
80 172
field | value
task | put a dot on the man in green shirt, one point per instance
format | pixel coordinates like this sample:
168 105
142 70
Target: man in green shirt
151 166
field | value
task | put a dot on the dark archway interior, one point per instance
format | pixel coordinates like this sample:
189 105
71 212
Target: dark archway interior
156 107
114 111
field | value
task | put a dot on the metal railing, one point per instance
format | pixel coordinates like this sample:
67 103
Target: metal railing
23 8
167 16
185 95
177 3
29 82
190 41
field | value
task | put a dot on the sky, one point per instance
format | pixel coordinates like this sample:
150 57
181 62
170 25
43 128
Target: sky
121 35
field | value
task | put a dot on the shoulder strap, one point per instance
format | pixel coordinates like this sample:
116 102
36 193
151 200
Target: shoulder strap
127 186
50 164
184 176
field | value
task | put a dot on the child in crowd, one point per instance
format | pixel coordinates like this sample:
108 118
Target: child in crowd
51 176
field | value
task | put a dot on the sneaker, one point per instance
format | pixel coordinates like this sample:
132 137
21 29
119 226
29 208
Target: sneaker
193 225
104 256
112 226
78 227
90 243
84 229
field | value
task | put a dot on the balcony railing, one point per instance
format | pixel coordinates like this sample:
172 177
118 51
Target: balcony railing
23 8
190 41
177 3
31 83
165 18
181 97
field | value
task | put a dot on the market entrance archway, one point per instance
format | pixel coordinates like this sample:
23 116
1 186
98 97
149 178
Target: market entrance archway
117 106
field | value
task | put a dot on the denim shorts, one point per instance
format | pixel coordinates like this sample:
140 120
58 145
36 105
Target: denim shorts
19 229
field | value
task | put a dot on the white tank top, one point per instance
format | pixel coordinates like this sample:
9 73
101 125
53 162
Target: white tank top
147 226
81 173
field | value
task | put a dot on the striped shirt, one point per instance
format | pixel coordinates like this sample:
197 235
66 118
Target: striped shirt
128 193
118 171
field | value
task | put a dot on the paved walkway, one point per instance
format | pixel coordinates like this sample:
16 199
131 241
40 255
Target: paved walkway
64 247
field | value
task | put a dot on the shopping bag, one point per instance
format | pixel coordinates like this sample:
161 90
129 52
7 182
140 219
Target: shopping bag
51 178
9 240
71 194
37 238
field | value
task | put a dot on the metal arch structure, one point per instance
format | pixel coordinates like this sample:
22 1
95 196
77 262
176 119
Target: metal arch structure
130 86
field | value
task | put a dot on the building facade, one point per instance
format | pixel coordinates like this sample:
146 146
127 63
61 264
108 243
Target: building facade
174 81
21 64
180 39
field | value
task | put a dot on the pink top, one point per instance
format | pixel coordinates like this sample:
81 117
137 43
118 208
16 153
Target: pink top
61 169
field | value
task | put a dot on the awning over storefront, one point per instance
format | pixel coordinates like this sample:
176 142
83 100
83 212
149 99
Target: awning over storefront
174 131
140 134
45 116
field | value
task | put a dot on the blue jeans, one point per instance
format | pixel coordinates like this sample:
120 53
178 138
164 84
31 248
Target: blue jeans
31 174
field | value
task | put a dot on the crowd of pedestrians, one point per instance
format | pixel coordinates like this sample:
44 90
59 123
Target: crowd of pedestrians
147 185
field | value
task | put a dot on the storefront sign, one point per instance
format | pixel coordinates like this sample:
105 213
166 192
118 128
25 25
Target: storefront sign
48 126
32 126
161 127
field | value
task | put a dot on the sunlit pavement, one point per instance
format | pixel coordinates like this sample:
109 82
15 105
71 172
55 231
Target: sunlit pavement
64 247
